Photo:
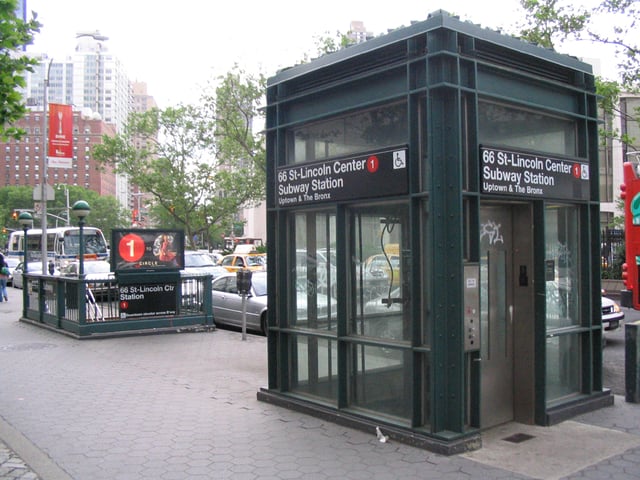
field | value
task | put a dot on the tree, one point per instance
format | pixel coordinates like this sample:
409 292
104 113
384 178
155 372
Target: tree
14 34
200 164
328 44
609 22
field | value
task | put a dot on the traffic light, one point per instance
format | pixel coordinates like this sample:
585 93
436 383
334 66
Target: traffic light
14 215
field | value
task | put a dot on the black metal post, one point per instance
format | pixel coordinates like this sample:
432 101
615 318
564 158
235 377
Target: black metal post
81 249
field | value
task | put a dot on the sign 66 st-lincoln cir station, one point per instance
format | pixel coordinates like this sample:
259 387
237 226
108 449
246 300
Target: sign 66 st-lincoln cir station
506 172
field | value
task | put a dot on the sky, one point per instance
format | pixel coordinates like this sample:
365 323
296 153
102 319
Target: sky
178 47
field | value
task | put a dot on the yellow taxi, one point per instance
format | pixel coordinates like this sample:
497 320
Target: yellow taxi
385 264
256 262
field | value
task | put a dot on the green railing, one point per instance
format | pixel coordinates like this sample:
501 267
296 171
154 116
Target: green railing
85 308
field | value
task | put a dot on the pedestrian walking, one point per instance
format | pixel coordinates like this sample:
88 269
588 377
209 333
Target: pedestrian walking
4 276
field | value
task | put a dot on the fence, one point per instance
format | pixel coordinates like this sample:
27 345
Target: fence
611 242
90 308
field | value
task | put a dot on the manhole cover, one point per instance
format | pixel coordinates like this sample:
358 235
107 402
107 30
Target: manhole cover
20 347
518 438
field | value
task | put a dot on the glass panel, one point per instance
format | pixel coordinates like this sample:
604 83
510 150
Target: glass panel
381 307
314 271
563 366
365 130
562 269
525 129
381 380
314 364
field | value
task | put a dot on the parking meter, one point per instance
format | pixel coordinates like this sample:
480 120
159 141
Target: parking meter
243 281
243 284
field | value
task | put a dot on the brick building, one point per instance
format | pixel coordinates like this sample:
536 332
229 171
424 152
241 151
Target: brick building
22 160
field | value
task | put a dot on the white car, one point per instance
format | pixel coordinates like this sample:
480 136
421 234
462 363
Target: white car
612 315
12 262
33 267
200 263
100 279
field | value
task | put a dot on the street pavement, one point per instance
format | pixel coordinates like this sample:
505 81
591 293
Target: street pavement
183 406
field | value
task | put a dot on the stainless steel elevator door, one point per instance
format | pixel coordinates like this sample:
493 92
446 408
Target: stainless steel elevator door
496 320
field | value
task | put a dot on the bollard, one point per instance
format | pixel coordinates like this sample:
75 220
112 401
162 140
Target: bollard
626 298
632 361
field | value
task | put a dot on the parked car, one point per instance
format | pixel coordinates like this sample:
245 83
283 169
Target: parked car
612 315
381 265
200 263
33 267
227 303
215 256
325 271
97 273
256 262
12 262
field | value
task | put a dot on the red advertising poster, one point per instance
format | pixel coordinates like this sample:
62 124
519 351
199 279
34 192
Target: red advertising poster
60 135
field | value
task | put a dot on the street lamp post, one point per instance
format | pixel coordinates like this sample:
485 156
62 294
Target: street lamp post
26 220
80 210
45 166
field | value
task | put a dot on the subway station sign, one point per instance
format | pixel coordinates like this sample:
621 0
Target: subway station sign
375 175
506 172
139 300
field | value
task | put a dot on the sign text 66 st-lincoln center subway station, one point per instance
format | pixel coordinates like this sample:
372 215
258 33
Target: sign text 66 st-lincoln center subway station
378 174
506 172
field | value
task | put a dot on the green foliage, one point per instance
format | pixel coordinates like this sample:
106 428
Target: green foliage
548 22
622 36
328 44
14 34
551 22
200 164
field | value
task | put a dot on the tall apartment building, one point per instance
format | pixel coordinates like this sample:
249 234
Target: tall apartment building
138 201
358 33
22 163
90 79
142 101
96 84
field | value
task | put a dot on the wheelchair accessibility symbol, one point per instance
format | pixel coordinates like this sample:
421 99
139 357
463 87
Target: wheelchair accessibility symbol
399 159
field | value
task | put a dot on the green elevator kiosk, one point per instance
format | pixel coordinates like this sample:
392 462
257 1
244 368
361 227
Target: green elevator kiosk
433 225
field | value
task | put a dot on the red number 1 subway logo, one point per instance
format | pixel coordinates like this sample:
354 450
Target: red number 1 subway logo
372 164
131 248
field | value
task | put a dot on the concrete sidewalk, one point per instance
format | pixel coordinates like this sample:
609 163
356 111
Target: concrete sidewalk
183 406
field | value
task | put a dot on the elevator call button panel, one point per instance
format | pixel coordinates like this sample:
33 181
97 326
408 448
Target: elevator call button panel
471 307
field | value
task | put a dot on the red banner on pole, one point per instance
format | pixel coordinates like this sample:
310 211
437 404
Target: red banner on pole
60 135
